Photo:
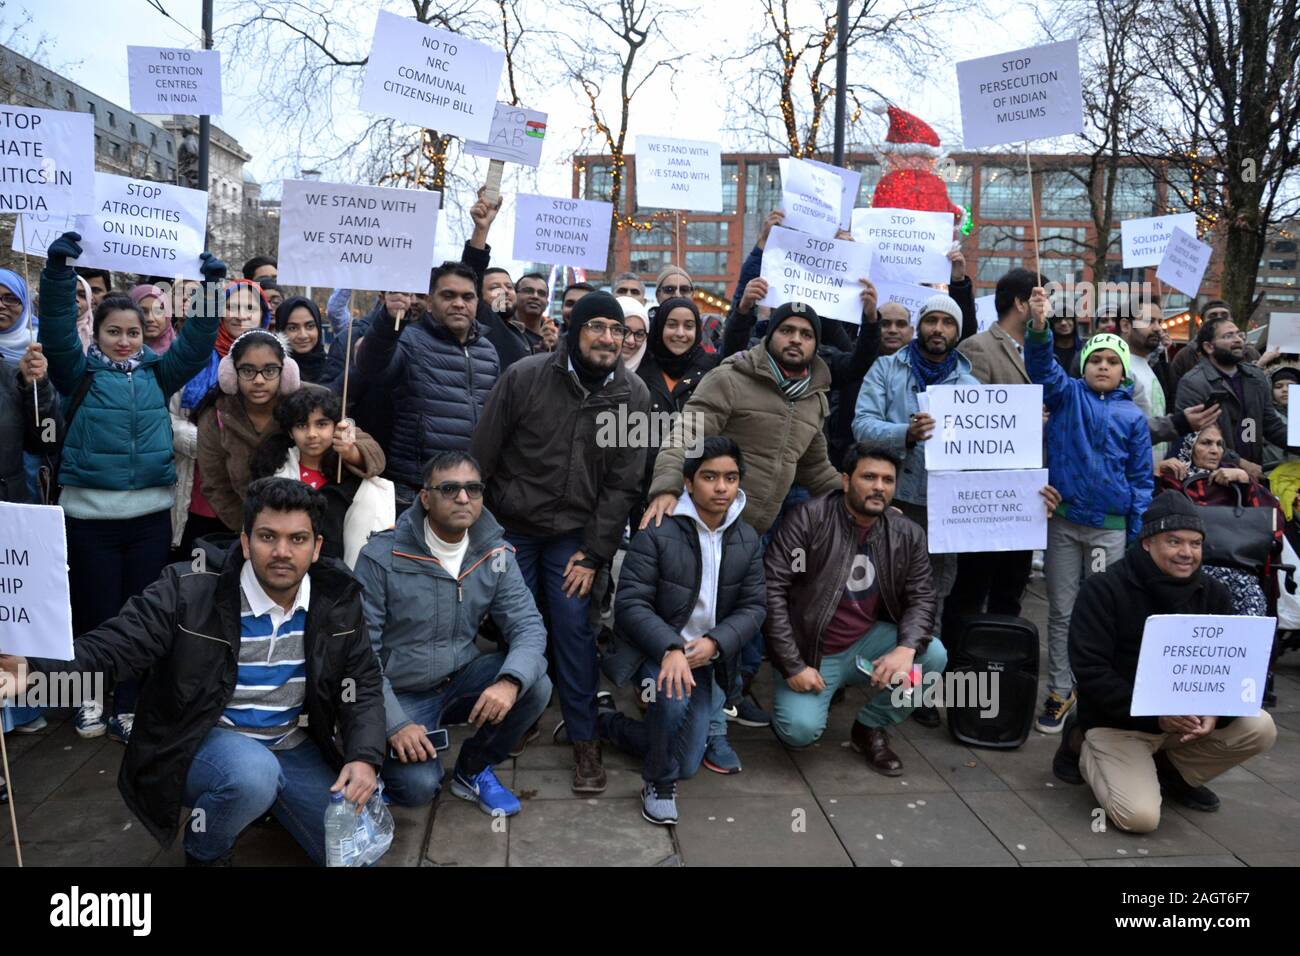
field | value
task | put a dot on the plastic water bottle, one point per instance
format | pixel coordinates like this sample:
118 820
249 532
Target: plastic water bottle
377 821
341 822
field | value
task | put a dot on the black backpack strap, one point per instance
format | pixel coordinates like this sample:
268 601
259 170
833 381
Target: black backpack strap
50 482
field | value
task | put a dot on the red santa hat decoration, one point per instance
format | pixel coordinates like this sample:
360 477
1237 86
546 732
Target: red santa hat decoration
909 158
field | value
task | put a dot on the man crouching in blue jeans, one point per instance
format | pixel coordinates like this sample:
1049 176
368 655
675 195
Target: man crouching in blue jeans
428 584
690 594
850 600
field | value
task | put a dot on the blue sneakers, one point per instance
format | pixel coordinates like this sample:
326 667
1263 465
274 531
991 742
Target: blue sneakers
719 757
659 803
485 790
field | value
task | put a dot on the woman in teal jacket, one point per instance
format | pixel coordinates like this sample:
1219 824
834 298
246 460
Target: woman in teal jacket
116 472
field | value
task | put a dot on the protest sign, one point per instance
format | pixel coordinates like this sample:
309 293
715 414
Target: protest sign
1184 262
49 159
145 227
1026 94
986 312
516 137
909 246
1144 240
1284 332
678 174
438 80
564 232
356 237
910 297
810 198
850 180
1202 665
35 608
165 80
823 273
984 427
1293 415
972 511
40 229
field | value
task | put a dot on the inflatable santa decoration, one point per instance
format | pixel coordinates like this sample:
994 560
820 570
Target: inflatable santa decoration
909 158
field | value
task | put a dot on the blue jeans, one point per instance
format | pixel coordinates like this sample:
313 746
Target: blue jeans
415 784
234 780
799 719
672 738
572 642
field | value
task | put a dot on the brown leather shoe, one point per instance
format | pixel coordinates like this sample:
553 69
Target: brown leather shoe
588 771
874 742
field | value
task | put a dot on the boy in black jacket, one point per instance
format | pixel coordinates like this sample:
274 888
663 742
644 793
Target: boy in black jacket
690 595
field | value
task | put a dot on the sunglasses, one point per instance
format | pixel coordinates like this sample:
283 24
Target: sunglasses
451 489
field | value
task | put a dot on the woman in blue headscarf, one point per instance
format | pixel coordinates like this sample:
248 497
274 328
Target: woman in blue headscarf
15 316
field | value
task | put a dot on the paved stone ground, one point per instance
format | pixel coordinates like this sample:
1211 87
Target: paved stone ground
818 807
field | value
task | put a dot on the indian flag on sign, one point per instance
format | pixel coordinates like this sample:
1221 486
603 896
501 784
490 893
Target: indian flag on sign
535 129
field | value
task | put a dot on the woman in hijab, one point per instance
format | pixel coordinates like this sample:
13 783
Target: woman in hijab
297 320
15 316
156 307
638 322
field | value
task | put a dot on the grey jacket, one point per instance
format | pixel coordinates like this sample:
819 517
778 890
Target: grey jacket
18 429
1199 385
422 621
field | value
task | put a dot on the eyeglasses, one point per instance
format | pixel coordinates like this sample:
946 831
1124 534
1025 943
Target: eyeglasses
635 336
601 329
677 289
10 301
451 489
250 372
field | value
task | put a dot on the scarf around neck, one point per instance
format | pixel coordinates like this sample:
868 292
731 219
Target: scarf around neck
15 339
791 388
127 365
929 373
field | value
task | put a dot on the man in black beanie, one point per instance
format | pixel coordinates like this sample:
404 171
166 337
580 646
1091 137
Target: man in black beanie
1131 762
563 491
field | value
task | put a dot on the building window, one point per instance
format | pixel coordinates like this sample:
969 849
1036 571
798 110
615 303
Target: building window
659 234
870 173
112 120
1004 238
1135 193
707 233
169 147
116 150
762 195
99 142
49 90
92 108
72 101
993 268
706 263
600 182
649 261
153 140
1288 264
1061 269
24 77
1004 193
1061 238
1064 195
730 186
133 133
157 168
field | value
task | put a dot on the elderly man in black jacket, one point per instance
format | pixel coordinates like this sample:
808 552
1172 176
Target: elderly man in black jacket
1131 762
236 654
690 595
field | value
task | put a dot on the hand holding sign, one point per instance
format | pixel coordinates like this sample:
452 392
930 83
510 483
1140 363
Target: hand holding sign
755 292
33 366
868 299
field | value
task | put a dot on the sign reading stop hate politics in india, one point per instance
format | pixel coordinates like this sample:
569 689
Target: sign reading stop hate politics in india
972 511
165 80
1023 95
909 246
984 426
822 273
678 174
145 227
562 232
47 161
431 78
35 610
356 237
1205 664
1184 263
1144 240
517 135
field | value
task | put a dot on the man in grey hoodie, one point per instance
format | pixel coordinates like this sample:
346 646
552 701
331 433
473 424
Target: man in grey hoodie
428 583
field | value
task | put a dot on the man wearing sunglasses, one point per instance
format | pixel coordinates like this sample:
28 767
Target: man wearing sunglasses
563 494
427 584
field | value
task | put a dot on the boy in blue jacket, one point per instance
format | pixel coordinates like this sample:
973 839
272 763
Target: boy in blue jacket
1099 459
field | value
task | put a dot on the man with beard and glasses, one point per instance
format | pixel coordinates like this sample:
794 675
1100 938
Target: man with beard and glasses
1242 391
1141 329
563 494
889 417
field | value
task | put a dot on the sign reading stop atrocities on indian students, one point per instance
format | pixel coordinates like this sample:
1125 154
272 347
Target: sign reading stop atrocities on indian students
1210 665
516 137
822 273
969 511
438 80
47 161
356 237
984 426
145 227
909 246
1022 95
678 174
165 80
562 232
35 607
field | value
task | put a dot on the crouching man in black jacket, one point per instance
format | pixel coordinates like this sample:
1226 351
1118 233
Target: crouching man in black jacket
1131 762
235 656
690 594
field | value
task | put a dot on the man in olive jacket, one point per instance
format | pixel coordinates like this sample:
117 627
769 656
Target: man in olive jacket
850 600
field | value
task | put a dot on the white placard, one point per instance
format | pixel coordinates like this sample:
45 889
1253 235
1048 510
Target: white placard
1284 332
1293 415
356 237
971 511
910 297
1025 94
166 80
823 273
850 180
35 606
49 161
145 227
678 174
562 232
41 230
1184 263
1144 240
516 137
431 78
985 427
1202 665
986 313
909 246
810 198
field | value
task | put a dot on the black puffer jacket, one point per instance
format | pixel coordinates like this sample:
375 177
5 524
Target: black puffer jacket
511 342
436 389
183 631
19 430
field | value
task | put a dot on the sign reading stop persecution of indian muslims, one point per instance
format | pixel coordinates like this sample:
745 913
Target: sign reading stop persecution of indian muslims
1021 95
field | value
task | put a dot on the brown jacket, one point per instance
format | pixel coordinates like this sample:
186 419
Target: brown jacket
227 440
782 441
994 358
808 563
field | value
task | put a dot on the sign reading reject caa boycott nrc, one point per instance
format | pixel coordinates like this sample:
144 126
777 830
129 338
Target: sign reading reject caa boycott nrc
984 426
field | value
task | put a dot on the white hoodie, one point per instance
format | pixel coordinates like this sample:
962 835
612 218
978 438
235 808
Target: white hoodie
704 615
